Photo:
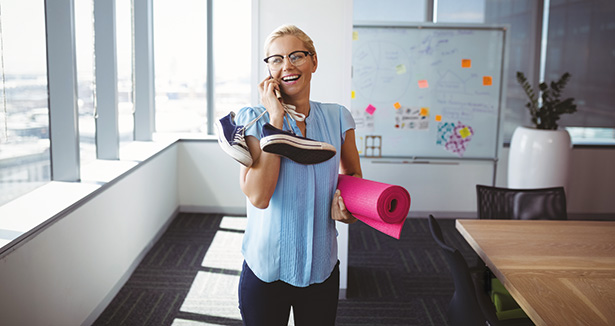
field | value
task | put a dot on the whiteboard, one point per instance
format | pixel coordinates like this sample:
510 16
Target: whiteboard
427 90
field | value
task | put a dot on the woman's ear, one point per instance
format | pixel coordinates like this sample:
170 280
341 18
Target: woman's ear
315 60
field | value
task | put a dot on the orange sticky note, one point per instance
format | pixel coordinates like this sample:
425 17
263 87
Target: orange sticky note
352 94
423 83
438 117
487 81
466 63
397 105
424 112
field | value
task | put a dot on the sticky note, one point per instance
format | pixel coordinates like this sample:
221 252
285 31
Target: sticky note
424 112
370 109
423 83
353 94
487 81
355 35
438 117
464 132
401 69
466 63
397 105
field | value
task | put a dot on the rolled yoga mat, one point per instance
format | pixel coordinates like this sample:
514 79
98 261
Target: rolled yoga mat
382 206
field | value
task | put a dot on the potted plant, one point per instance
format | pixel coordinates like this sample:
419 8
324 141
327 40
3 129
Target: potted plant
545 116
539 155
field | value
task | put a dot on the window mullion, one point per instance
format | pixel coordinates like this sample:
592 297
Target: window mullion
210 70
107 130
62 84
144 70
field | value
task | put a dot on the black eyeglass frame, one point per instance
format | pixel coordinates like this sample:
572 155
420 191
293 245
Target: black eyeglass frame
306 53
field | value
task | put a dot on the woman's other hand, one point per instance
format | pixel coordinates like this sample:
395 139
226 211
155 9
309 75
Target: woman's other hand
339 211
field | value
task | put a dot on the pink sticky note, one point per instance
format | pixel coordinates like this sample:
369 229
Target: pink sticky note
370 109
423 83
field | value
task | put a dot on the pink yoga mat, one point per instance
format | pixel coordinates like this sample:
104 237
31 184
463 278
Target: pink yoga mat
379 205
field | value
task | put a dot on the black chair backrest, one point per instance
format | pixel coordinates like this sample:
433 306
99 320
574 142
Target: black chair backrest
464 308
521 204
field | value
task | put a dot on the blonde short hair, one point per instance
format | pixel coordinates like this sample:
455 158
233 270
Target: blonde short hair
290 30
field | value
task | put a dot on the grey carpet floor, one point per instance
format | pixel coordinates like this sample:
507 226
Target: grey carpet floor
191 274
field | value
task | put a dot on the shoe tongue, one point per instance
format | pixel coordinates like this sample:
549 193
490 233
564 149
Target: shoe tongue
293 128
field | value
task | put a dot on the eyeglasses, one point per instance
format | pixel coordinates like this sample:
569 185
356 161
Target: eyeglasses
296 58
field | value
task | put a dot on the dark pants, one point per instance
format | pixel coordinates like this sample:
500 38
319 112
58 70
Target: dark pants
268 304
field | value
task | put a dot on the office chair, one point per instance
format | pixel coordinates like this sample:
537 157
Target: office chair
518 204
469 306
521 204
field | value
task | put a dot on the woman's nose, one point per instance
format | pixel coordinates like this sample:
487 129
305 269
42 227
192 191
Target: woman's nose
287 64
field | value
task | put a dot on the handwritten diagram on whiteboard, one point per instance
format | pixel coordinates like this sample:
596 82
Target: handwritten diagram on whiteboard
427 91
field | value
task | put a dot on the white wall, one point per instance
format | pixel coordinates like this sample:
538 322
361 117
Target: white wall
209 179
69 271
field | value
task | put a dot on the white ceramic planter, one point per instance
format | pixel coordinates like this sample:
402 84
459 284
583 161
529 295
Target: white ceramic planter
538 158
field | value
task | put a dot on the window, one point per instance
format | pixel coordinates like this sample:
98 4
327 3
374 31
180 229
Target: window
580 41
468 11
24 114
125 55
232 56
390 10
86 85
180 55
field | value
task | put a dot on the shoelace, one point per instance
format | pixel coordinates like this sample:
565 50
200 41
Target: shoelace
240 139
292 111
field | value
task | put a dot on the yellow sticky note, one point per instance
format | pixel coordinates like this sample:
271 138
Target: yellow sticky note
355 35
423 83
464 132
424 112
353 94
401 69
397 105
438 117
487 81
466 63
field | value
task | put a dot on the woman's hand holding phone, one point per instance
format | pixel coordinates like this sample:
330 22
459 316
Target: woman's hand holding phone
271 98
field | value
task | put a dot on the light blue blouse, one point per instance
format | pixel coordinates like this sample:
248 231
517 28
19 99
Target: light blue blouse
294 239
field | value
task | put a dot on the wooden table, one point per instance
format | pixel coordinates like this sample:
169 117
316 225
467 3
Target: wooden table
560 272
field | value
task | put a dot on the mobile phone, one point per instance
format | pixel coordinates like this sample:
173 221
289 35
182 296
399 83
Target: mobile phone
277 91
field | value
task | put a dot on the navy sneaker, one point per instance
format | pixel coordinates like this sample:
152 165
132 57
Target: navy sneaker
299 149
231 139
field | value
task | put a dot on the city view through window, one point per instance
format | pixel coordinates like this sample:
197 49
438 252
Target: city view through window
24 115
180 70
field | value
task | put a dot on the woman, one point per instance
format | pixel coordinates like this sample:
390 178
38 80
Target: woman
290 245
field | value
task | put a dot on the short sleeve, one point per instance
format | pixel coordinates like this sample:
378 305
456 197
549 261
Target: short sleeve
248 114
346 120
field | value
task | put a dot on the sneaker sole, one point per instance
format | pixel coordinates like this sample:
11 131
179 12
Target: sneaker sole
300 151
238 154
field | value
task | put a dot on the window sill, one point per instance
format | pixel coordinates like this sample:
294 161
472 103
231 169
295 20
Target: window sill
27 215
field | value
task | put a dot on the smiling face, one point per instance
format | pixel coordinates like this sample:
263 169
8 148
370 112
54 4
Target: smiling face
294 80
